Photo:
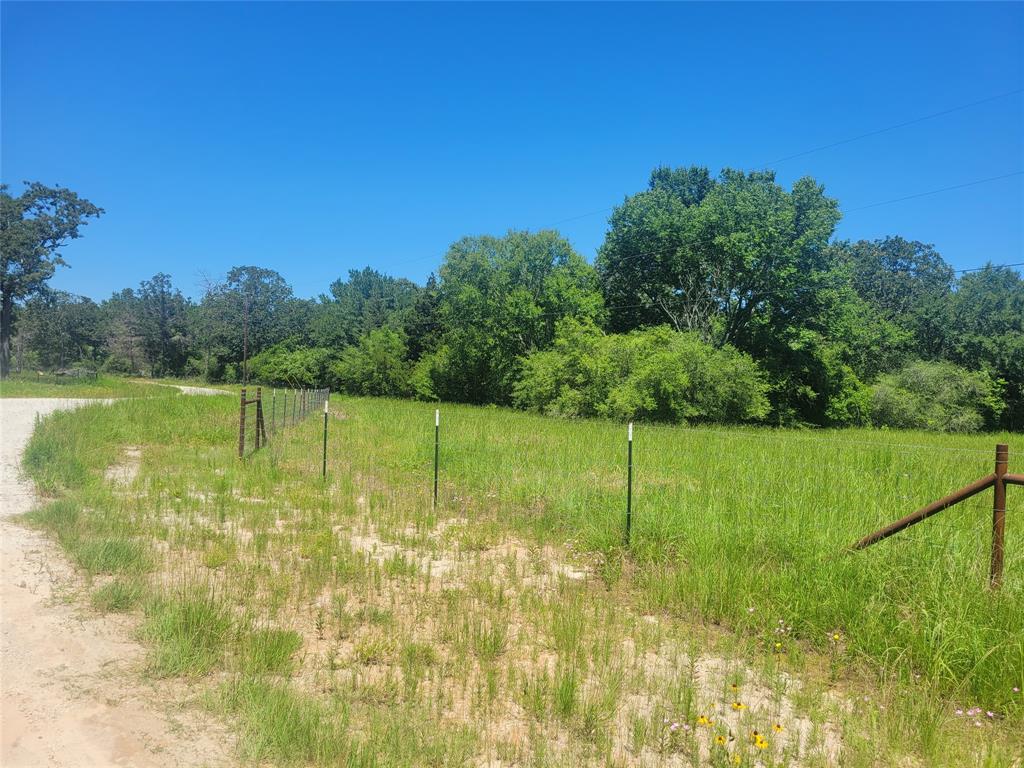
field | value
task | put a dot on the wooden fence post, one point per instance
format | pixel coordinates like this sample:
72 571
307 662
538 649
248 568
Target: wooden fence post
241 425
259 403
995 576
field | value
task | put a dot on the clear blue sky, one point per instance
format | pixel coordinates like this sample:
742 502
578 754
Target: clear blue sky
314 138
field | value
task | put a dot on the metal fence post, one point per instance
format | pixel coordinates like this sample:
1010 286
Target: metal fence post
999 515
241 425
323 472
629 482
437 448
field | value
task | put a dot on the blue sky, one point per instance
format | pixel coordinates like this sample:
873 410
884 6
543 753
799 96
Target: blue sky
314 138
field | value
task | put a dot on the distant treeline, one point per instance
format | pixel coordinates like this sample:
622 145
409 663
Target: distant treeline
712 299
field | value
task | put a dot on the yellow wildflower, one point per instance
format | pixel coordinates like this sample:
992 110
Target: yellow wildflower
738 706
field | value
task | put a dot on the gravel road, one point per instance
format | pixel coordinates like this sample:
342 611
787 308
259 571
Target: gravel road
70 683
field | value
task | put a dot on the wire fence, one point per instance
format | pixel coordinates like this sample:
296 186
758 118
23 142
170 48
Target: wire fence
295 405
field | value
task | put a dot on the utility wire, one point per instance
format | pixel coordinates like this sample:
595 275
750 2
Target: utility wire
888 128
935 191
849 210
841 142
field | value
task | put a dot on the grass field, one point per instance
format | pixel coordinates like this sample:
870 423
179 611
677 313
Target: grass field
350 622
35 385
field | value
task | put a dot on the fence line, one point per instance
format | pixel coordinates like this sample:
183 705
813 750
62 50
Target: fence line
296 405
302 403
998 481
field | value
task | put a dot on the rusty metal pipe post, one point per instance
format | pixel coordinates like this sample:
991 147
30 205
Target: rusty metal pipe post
995 577
241 425
927 511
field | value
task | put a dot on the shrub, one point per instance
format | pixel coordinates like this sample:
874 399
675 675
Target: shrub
375 366
657 374
937 396
306 367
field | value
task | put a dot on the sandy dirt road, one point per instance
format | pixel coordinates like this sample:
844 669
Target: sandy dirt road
70 683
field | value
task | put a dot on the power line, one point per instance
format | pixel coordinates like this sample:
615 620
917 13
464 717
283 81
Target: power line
841 142
988 266
851 210
904 124
935 191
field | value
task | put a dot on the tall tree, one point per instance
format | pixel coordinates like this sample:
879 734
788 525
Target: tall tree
987 332
499 300
908 283
162 324
710 256
57 329
246 314
739 260
367 300
34 226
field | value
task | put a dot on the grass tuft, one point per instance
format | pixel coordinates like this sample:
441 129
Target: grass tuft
189 634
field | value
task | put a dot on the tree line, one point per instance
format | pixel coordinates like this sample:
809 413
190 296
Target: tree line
712 299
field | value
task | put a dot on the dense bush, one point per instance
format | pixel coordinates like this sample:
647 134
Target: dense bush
657 374
937 396
290 367
374 366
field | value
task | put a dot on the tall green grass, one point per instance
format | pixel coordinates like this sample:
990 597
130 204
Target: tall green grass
746 527
745 530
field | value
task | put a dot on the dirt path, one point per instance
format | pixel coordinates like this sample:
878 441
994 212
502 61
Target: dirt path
70 682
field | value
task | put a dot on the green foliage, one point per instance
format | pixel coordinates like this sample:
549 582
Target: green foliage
908 283
365 302
34 226
714 257
988 319
736 261
936 396
499 300
374 366
281 366
656 374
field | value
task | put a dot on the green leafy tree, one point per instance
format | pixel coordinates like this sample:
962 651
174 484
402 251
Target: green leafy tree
908 283
162 325
281 366
57 329
366 301
739 261
250 311
34 226
499 300
712 256
987 332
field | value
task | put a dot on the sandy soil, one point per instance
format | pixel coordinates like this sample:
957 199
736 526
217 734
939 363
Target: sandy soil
69 681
